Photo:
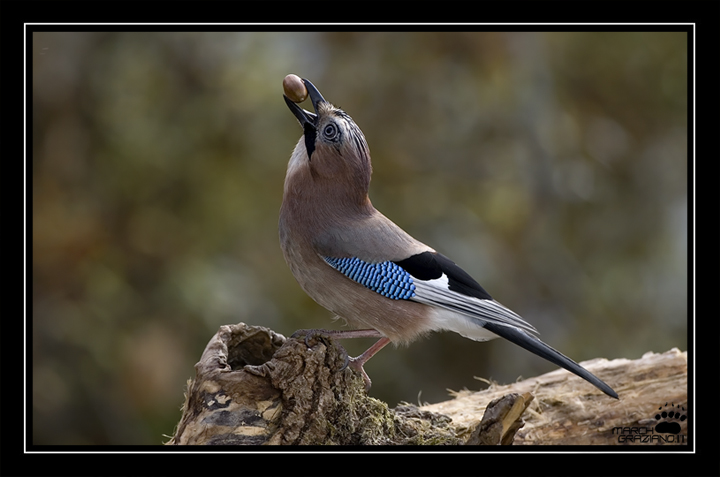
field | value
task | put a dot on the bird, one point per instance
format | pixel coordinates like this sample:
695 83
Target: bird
362 267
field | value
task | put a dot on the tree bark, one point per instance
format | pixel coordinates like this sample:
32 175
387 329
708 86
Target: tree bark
255 387
568 411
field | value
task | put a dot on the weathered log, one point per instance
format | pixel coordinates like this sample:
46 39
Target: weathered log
255 387
568 411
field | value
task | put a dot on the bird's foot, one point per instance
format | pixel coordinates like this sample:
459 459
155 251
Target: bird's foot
356 364
312 335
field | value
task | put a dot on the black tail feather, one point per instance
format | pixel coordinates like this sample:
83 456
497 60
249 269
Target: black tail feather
534 345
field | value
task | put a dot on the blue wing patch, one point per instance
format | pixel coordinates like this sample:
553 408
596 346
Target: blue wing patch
385 278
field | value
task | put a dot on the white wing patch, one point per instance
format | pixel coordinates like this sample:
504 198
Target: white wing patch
448 320
438 294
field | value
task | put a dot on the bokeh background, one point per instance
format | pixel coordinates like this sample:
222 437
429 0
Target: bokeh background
551 166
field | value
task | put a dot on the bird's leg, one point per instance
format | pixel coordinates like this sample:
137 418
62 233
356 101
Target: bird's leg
337 334
354 363
357 363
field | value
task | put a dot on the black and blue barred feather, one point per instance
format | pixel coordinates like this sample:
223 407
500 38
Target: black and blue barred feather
385 278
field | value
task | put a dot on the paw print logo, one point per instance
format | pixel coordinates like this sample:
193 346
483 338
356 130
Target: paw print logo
668 417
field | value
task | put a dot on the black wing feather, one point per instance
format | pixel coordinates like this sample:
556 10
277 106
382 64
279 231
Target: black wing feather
541 349
431 265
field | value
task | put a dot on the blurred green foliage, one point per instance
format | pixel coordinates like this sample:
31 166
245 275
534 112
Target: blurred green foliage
551 166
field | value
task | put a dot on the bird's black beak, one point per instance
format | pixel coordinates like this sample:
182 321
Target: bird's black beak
306 117
307 120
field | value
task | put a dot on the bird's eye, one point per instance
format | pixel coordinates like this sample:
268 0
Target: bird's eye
330 131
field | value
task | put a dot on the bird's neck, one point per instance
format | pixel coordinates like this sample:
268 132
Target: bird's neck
317 202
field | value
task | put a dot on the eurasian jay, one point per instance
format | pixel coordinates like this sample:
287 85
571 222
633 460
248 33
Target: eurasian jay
358 264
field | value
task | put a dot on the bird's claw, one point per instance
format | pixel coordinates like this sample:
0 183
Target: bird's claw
357 365
312 334
347 360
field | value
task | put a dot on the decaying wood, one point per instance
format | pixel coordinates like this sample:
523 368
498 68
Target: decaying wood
255 387
568 411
